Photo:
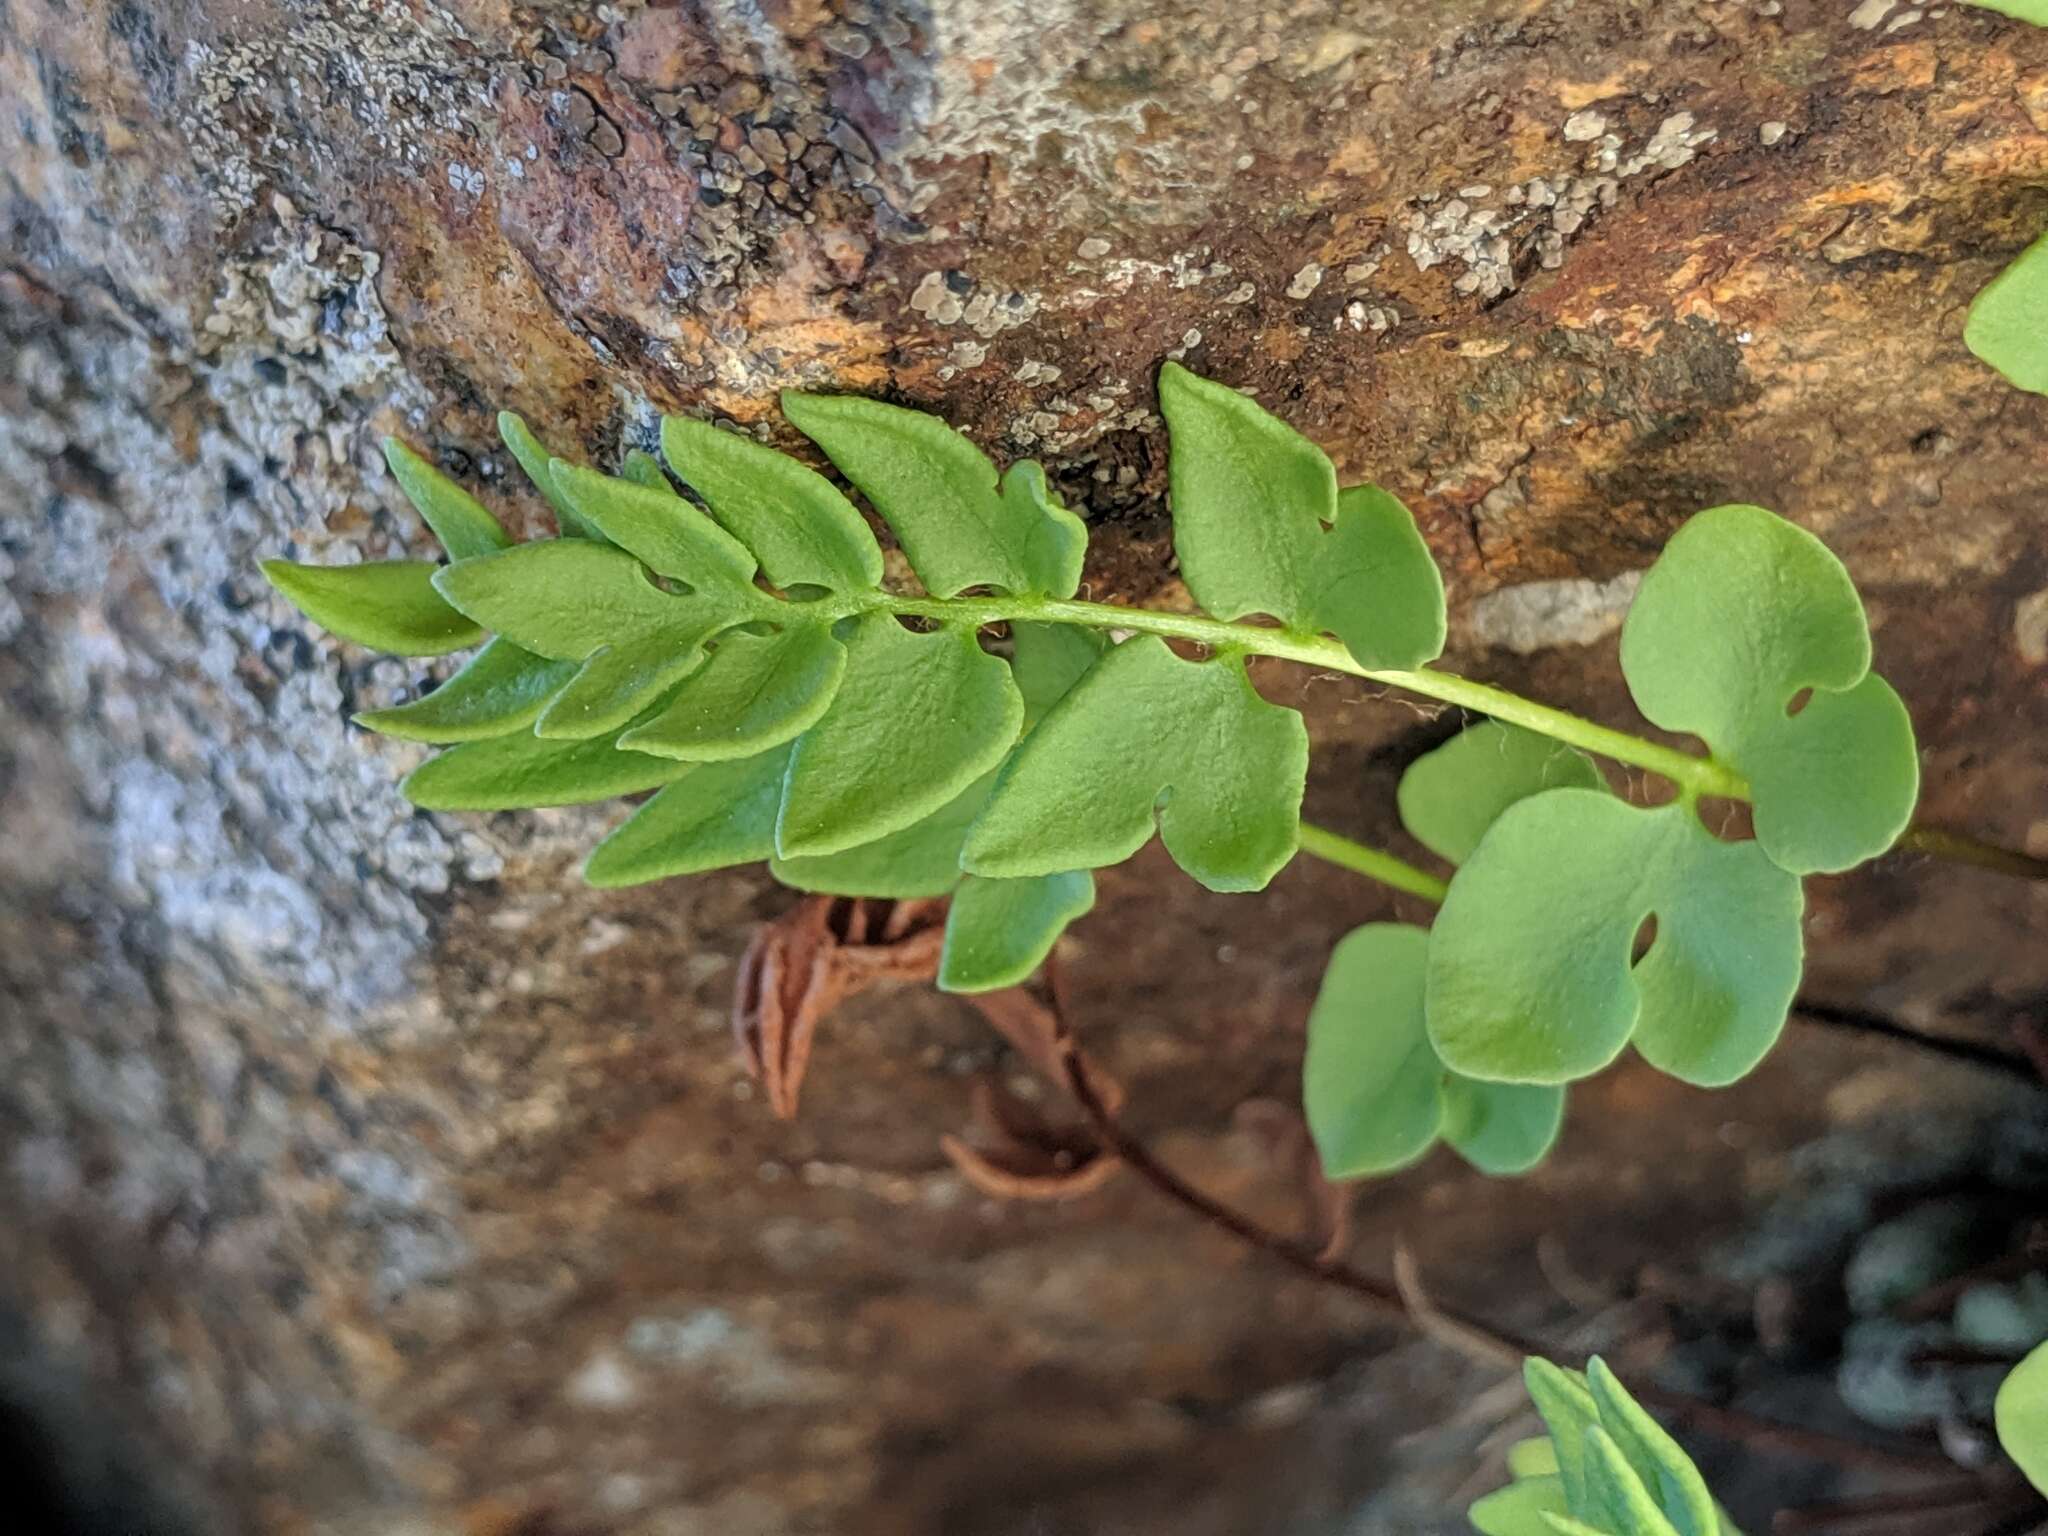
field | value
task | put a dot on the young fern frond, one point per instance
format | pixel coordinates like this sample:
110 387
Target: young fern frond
743 657
1605 1469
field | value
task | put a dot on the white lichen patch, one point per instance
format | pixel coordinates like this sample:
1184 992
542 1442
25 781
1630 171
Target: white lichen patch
1183 269
1066 426
962 110
953 298
399 83
1488 235
963 356
1306 281
1376 318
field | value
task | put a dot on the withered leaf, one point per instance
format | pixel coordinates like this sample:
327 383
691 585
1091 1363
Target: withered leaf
814 957
1018 1153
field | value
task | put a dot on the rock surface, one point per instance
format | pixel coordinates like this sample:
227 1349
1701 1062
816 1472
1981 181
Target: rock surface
365 1173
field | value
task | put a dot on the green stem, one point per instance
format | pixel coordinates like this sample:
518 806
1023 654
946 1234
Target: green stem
1700 775
1694 775
1964 849
1321 843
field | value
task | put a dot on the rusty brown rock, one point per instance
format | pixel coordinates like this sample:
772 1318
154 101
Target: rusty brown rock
376 1176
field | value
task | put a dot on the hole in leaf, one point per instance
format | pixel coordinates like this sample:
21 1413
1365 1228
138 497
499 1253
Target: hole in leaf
1729 820
1799 701
1646 935
1648 790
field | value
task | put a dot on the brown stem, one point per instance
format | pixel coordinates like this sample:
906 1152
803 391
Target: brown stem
1728 1423
1939 1300
2033 1041
1384 1296
1961 848
1959 1495
1858 1021
1138 1157
1964 1355
2022 1519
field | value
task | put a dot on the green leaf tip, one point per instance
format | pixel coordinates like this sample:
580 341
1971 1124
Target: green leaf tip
663 531
389 605
1669 1480
959 523
645 471
1260 527
1530 971
1519 1508
713 816
1569 1412
802 530
1376 1094
1742 613
579 600
520 771
538 463
1532 1458
499 690
2008 323
617 681
1146 740
999 931
461 522
1607 1468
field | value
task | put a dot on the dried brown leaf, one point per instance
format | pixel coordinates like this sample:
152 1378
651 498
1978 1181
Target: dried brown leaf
807 962
1448 1330
1011 1175
1020 1154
